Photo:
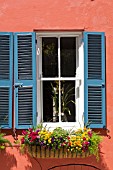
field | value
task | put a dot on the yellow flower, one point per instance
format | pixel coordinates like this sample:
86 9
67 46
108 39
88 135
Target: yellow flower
49 140
85 128
73 137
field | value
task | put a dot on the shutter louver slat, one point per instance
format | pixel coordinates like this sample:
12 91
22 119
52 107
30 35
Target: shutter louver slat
94 79
4 106
4 56
94 106
94 46
25 106
25 57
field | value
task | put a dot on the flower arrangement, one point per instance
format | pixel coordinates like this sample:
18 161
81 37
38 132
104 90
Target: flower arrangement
78 142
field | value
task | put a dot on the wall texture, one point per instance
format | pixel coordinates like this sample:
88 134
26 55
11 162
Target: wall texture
90 15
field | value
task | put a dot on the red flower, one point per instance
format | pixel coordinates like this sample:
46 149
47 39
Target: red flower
24 132
84 138
30 129
33 138
90 134
68 138
22 140
69 144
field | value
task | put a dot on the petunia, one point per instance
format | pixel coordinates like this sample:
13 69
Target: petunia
24 132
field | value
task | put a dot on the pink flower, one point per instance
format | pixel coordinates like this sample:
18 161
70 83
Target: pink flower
22 140
24 132
30 129
34 133
86 143
38 137
33 138
90 134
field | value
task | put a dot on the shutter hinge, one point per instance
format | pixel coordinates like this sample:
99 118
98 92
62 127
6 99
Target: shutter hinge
36 41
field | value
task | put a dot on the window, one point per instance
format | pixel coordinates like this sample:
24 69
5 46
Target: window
68 71
60 78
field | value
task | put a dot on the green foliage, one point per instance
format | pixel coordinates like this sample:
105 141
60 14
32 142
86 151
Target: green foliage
3 141
58 136
49 49
59 132
94 146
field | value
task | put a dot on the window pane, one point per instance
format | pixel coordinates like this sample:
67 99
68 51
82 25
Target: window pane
68 101
50 101
68 56
50 57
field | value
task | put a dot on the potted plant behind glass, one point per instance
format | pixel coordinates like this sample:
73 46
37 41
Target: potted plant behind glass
66 98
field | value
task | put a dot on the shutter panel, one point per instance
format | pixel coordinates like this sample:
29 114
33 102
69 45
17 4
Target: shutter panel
6 60
94 79
25 79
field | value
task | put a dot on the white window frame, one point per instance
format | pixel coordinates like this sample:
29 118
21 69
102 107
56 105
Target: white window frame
79 79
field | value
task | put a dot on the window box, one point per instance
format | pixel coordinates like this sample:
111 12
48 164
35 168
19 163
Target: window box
43 152
60 143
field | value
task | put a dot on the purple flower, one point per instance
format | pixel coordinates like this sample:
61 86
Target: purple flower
38 130
52 140
61 138
42 143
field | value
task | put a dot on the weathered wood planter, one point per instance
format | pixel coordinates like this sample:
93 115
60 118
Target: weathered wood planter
41 152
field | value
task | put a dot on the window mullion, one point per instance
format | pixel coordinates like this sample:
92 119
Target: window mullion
59 101
59 75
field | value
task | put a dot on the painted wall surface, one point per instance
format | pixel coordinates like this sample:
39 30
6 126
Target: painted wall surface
90 15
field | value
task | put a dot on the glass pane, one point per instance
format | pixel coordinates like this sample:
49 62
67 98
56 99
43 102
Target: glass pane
68 101
68 56
50 101
50 57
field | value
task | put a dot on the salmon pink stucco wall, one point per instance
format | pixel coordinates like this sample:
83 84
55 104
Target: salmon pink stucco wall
90 15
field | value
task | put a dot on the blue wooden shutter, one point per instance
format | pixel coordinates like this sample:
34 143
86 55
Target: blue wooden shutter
6 60
25 79
94 79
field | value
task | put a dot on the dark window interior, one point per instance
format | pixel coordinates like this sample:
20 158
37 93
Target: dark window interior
68 56
50 57
51 88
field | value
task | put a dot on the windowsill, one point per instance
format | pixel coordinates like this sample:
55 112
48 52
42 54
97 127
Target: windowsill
64 125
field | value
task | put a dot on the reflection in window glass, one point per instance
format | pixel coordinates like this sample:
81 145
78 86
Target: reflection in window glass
68 56
50 57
